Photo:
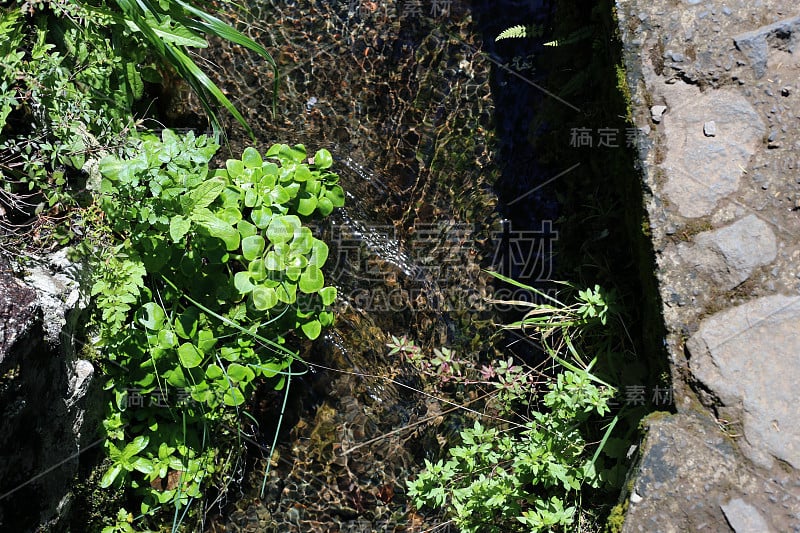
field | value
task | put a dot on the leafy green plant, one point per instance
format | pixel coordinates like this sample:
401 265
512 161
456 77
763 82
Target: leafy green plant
520 31
211 277
171 28
495 481
67 87
532 476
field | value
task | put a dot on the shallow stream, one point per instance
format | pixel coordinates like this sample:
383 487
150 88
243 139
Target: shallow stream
402 95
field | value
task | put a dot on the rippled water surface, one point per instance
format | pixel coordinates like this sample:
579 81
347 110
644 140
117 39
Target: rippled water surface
402 100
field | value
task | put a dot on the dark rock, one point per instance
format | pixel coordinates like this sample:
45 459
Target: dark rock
45 417
683 468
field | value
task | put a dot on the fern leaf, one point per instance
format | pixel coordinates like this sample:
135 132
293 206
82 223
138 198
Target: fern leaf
514 32
574 37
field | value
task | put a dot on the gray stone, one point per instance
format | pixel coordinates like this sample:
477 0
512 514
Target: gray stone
702 170
710 129
749 356
58 293
755 46
730 254
744 518
684 465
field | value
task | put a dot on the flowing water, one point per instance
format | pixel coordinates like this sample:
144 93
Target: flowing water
401 94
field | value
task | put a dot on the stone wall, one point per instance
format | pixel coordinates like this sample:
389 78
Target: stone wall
716 98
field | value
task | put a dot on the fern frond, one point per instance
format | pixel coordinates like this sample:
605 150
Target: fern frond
514 32
520 32
577 35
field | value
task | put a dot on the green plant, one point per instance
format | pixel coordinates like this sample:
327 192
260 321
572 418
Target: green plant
205 280
71 73
520 31
170 28
533 476
496 480
67 87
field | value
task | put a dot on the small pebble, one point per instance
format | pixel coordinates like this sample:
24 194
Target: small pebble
710 129
656 112
786 91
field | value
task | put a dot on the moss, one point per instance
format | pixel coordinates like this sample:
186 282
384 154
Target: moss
694 227
625 90
616 519
652 417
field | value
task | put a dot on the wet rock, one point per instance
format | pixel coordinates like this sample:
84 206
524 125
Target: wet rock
729 255
744 518
747 356
702 170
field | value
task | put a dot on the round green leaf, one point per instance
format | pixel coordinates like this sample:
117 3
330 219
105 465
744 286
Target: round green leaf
328 295
279 230
233 396
287 292
205 340
324 206
302 173
246 229
302 242
242 282
306 204
313 186
186 325
253 247
271 369
264 298
214 372
175 377
261 217
167 338
239 373
257 270
251 198
273 261
312 329
189 355
311 280
151 316
235 168
336 195
279 195
251 158
325 318
323 159
319 253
